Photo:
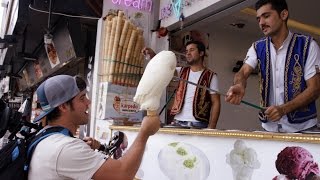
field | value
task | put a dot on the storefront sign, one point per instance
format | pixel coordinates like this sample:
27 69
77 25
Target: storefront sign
125 106
128 107
115 103
165 12
175 6
145 5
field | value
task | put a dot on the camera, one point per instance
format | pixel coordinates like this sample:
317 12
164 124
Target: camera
14 121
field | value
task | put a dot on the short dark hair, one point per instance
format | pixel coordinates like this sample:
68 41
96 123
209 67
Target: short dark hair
278 5
81 84
201 47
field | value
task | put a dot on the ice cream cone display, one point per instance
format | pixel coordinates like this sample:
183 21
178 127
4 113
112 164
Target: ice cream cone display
123 42
296 163
117 35
105 63
155 79
123 54
135 56
243 161
127 58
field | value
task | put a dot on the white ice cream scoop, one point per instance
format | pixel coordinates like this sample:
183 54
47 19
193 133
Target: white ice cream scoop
155 79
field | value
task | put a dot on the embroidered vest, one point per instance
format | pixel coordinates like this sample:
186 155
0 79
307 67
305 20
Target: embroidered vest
294 82
202 98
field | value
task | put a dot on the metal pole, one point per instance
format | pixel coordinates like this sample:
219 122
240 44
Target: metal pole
167 102
49 16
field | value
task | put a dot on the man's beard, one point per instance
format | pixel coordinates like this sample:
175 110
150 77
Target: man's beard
191 62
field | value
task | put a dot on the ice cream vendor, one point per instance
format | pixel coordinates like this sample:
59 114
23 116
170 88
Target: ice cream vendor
289 72
193 106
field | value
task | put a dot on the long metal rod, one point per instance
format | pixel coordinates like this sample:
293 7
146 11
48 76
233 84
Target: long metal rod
167 102
49 16
218 92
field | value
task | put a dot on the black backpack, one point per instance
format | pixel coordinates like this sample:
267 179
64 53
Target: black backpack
15 156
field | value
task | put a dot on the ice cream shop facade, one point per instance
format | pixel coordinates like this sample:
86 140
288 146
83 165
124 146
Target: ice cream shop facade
238 148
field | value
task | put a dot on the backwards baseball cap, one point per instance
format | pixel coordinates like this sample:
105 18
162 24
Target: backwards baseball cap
54 92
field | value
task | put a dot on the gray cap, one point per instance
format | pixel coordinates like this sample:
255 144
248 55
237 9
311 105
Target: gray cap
54 92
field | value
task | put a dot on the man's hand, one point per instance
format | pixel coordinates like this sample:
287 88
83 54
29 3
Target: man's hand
150 125
148 51
94 144
235 94
274 113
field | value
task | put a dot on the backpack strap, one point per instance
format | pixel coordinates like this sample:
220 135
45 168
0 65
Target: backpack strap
33 142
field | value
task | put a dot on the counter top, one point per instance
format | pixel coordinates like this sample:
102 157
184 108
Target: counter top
263 135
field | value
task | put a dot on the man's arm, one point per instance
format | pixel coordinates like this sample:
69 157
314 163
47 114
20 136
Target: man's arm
236 92
242 75
215 111
311 93
127 166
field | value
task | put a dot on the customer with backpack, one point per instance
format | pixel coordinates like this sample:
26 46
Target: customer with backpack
59 156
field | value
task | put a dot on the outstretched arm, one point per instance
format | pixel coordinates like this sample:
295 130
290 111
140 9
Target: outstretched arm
237 91
127 166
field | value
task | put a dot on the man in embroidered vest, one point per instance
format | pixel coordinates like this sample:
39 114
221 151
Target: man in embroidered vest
195 107
289 72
